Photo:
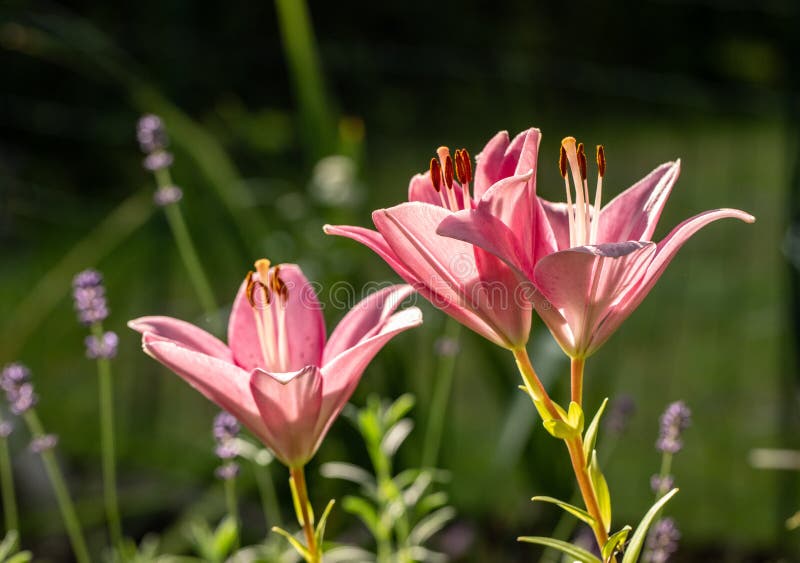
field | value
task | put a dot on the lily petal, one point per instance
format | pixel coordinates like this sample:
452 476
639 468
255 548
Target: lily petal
342 373
586 284
305 325
183 333
634 214
219 381
365 319
290 406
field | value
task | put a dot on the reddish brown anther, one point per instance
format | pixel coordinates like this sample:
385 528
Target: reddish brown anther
250 290
448 172
601 160
467 165
436 174
562 162
582 161
278 286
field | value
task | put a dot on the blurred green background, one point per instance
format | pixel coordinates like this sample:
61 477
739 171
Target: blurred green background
254 118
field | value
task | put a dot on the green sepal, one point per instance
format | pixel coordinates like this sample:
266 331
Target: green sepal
299 547
576 553
637 541
591 433
319 533
571 425
600 490
574 510
615 541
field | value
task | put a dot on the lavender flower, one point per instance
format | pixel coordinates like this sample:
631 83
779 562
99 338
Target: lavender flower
102 347
19 390
157 161
6 427
676 419
662 541
167 195
43 443
90 297
226 429
446 346
662 485
151 134
620 413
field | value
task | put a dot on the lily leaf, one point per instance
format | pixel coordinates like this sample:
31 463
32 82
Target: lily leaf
591 434
574 510
364 510
299 547
637 541
600 490
575 417
320 531
430 524
398 409
576 553
616 540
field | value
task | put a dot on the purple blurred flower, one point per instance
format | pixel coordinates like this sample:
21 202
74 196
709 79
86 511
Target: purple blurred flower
19 390
151 134
6 427
103 347
446 346
167 195
620 413
662 541
227 471
43 443
90 297
157 161
226 427
676 419
662 485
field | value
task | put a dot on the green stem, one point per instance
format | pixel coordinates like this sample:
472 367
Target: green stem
7 484
65 504
230 502
188 252
106 396
269 500
666 467
299 478
441 397
301 54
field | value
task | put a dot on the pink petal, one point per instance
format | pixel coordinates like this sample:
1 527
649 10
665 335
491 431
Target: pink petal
219 381
342 373
558 220
489 163
365 319
501 159
421 189
634 214
441 296
183 333
665 252
448 267
585 284
304 330
290 406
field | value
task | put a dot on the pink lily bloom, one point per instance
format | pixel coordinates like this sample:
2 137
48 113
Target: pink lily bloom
466 282
277 375
592 266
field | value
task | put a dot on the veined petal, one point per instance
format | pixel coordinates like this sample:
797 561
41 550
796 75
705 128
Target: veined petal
586 284
489 163
342 373
665 252
183 333
304 326
219 381
365 319
558 220
289 405
445 265
441 296
420 188
502 159
634 214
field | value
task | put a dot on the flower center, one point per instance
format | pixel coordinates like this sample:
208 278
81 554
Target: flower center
268 294
583 219
455 196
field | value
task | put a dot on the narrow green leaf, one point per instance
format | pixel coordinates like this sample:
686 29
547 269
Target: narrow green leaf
575 417
21 557
616 540
8 544
320 531
398 409
347 472
591 434
296 502
364 510
574 510
559 429
299 547
395 436
224 538
578 554
431 524
600 490
637 541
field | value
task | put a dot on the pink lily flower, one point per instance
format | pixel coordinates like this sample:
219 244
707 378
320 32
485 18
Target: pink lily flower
277 375
466 282
592 266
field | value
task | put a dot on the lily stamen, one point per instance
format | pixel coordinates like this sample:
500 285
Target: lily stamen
583 218
445 171
268 294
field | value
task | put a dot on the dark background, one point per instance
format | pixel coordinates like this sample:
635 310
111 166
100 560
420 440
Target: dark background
714 83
